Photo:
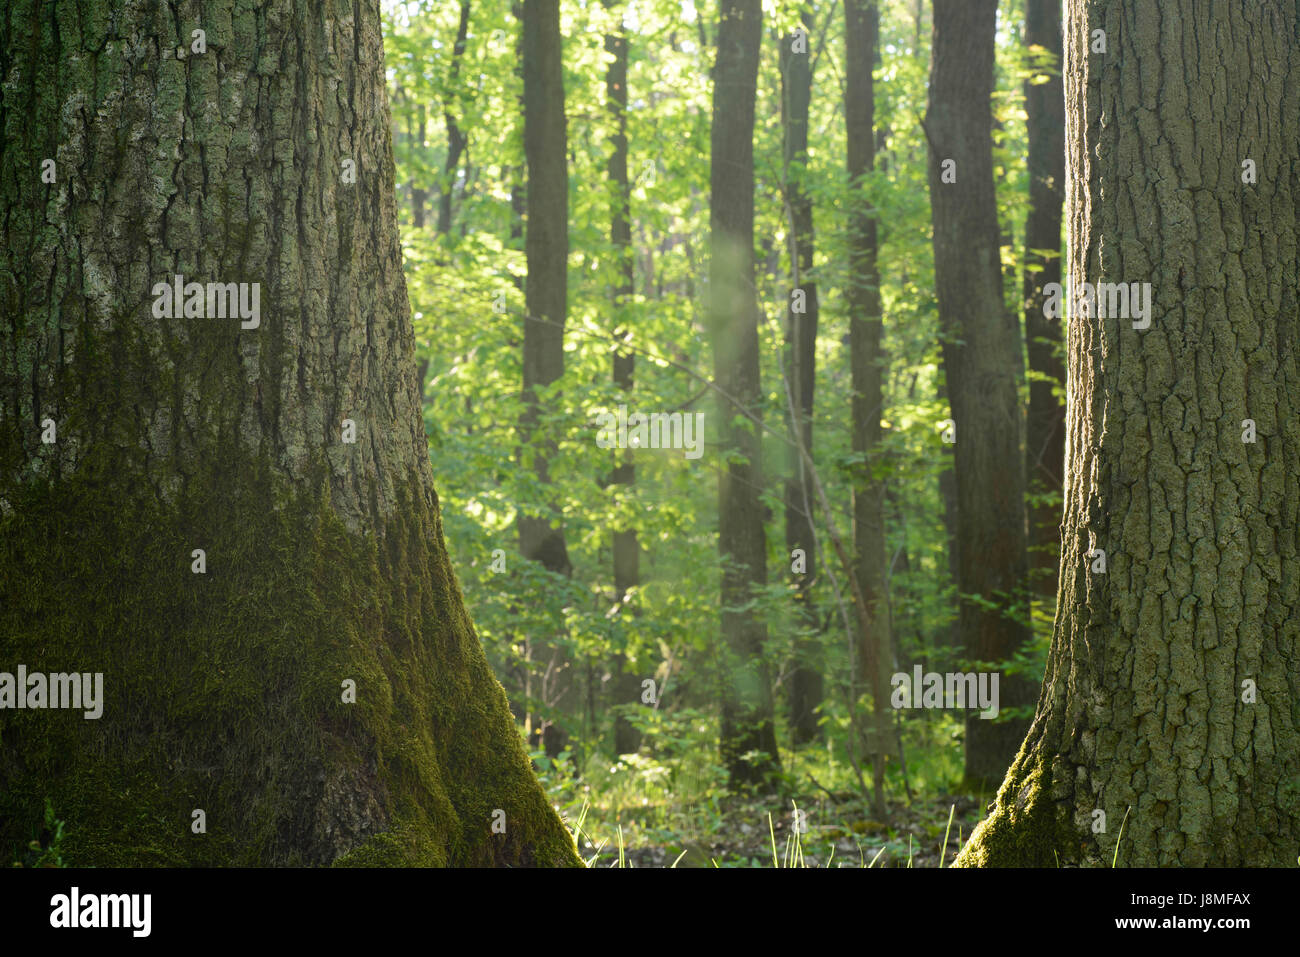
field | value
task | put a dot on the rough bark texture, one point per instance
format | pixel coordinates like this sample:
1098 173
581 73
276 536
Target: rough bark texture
867 361
801 377
1142 704
324 561
546 244
982 363
747 723
1045 423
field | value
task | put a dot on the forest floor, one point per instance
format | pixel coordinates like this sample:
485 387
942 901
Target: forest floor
849 836
675 810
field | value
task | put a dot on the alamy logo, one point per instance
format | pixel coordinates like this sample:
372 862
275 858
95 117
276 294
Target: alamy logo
102 910
658 430
58 690
217 300
1105 300
952 690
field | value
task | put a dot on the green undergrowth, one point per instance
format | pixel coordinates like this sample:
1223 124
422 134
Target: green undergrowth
668 805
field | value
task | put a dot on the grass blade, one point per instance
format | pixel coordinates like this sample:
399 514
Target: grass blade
943 854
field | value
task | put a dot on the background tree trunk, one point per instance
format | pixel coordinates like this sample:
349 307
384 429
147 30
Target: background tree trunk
801 377
324 560
419 195
546 243
982 364
747 721
1045 423
1143 709
867 361
457 139
627 553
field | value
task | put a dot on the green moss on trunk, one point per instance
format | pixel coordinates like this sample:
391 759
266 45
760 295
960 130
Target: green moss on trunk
223 691
1027 826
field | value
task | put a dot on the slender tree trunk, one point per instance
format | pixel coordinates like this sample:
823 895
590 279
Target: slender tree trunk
867 361
546 242
518 174
281 637
982 365
801 376
1045 423
1170 690
747 723
456 138
627 553
419 195
947 481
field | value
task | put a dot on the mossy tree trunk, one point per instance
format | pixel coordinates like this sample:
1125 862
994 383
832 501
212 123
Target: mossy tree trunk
258 152
982 365
1171 687
747 717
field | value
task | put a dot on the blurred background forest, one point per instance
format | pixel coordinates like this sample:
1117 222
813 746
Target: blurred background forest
611 640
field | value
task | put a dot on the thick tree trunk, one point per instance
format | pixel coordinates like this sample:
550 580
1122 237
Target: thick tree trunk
627 553
1045 423
982 365
801 377
546 242
227 674
1171 684
747 723
867 361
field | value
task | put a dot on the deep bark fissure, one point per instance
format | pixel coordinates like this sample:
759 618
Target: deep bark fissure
1144 711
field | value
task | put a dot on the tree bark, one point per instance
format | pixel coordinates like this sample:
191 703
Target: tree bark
457 139
225 676
546 244
627 552
806 681
867 362
982 365
1145 709
1045 423
419 195
747 721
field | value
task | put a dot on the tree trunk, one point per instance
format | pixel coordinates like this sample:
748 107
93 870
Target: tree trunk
982 365
747 722
1045 423
546 243
867 361
456 138
627 553
419 195
227 673
801 378
1171 683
